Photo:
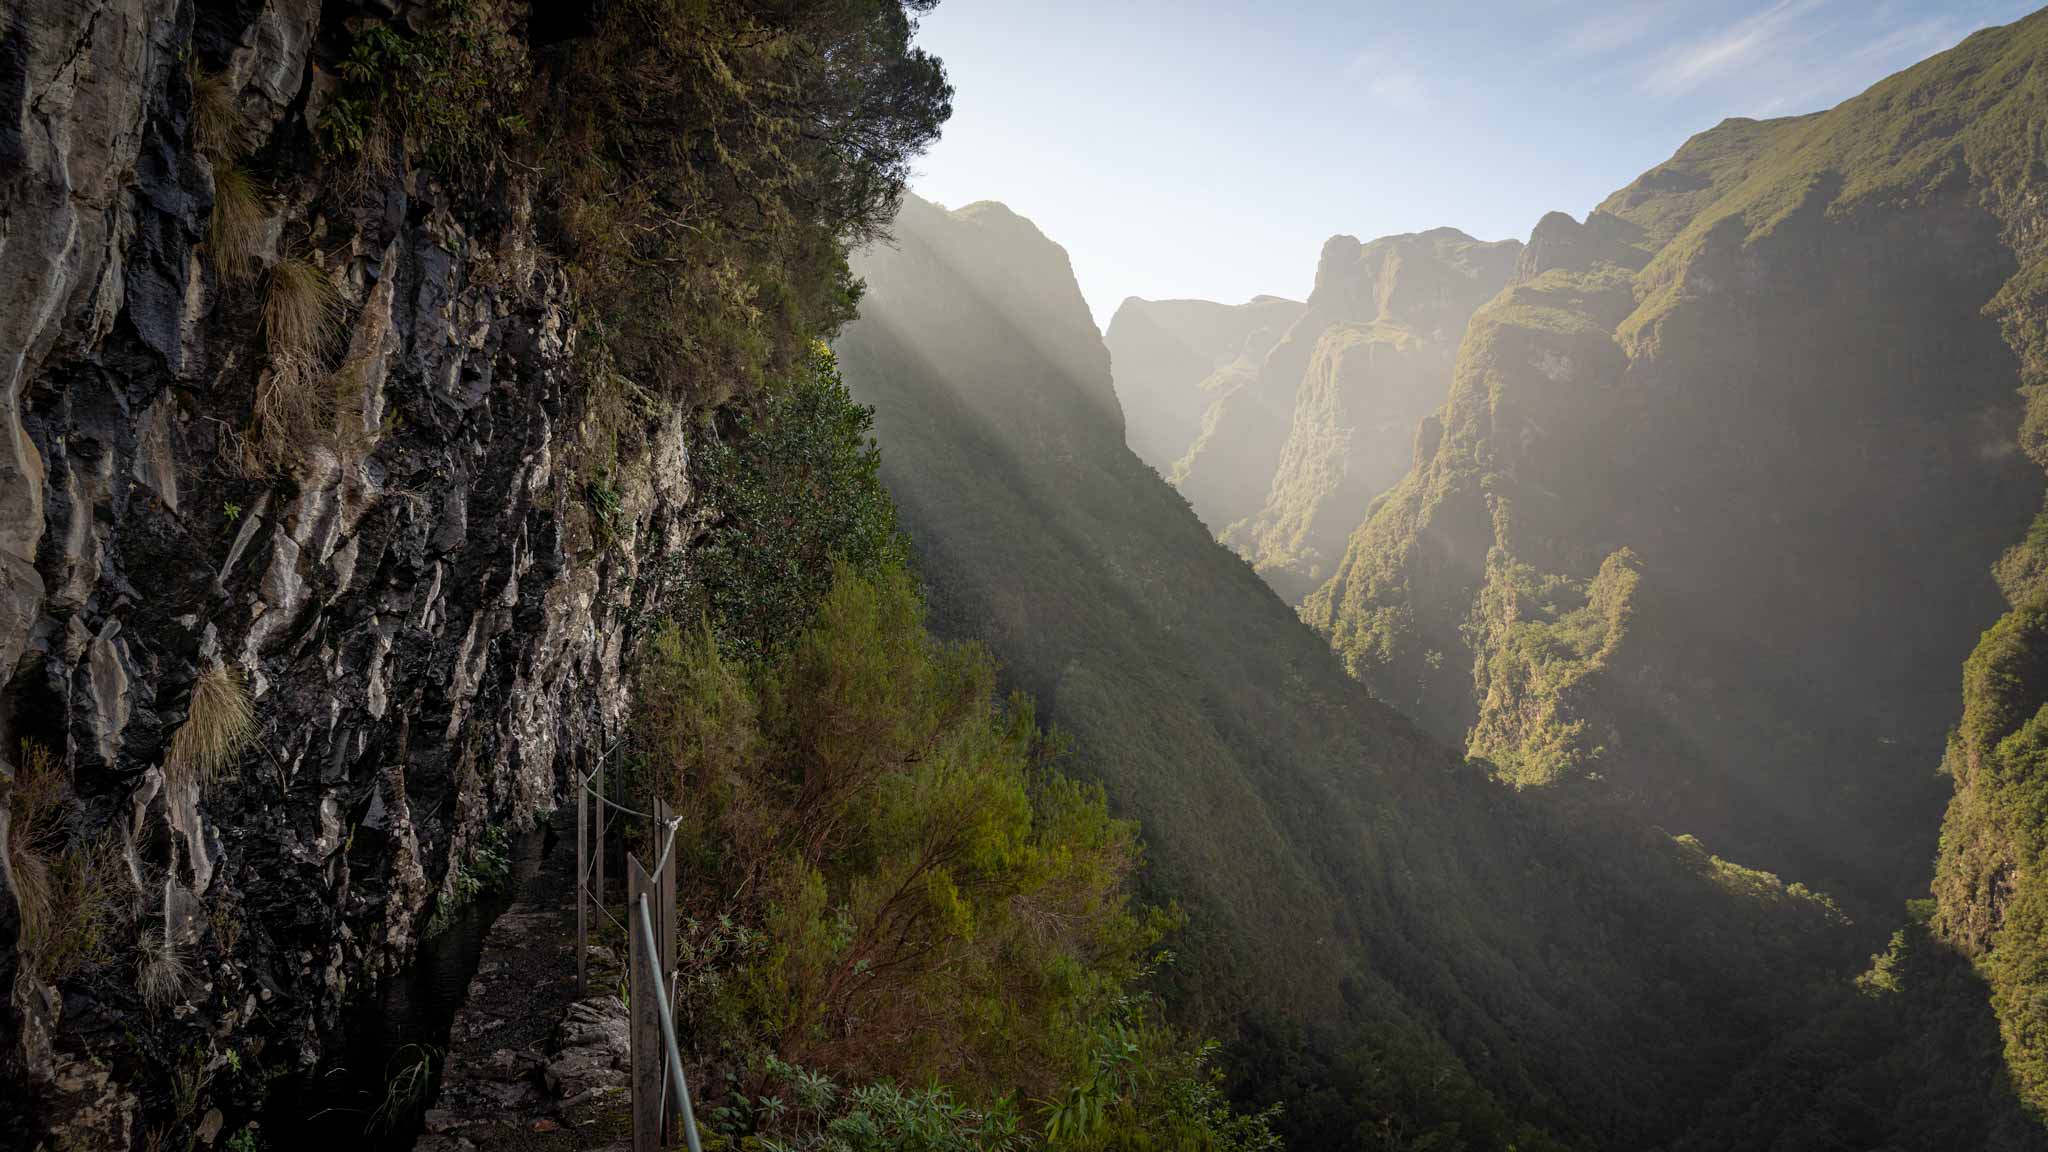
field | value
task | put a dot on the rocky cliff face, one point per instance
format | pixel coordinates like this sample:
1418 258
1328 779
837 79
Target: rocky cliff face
416 608
1713 509
1280 422
1392 314
1174 359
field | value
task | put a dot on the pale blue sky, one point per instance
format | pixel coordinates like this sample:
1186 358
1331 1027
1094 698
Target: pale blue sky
1207 147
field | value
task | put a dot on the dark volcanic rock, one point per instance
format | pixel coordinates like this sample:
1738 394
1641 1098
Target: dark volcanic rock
422 619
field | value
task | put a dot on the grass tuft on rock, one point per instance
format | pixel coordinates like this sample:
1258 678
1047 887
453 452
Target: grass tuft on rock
161 974
235 235
296 400
63 888
33 808
220 131
301 309
217 726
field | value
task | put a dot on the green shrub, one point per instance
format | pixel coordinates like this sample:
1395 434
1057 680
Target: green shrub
936 902
487 869
710 163
941 902
449 87
794 482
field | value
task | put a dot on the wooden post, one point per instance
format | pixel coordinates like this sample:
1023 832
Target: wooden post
664 904
665 907
582 880
597 891
644 1024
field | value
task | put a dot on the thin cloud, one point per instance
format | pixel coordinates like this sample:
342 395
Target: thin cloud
1385 73
1610 32
1735 47
1851 71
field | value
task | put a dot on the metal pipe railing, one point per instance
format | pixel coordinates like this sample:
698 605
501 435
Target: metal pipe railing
668 1025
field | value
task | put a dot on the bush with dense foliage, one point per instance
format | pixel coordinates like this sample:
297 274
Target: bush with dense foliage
792 480
703 167
712 162
910 891
937 900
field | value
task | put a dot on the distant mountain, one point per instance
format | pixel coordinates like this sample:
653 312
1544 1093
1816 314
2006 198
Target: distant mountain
1380 337
1172 358
1358 898
1279 421
1727 486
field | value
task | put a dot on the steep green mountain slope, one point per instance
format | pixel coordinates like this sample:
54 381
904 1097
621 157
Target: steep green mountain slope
1173 358
1381 334
1712 511
1280 421
1347 882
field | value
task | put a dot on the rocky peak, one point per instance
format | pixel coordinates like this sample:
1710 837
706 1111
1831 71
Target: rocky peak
1560 242
1173 358
1012 267
1342 394
1421 280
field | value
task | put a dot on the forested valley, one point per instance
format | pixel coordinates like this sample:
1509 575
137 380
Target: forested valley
1585 690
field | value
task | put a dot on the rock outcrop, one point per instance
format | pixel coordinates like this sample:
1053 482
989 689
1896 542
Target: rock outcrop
1391 316
1280 422
419 613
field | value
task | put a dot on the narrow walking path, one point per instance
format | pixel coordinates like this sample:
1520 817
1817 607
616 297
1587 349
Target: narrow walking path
529 1066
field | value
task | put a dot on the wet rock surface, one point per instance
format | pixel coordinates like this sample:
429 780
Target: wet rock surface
421 614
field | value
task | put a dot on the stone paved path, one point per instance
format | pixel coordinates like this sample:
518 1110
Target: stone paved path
528 1065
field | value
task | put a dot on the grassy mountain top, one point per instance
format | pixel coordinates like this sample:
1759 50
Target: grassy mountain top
1969 116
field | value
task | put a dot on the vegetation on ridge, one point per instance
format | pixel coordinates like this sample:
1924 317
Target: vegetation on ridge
1471 966
907 889
1546 635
